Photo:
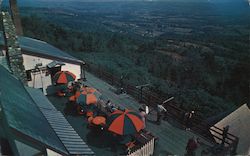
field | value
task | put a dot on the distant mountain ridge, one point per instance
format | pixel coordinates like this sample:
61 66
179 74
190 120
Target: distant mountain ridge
41 3
215 1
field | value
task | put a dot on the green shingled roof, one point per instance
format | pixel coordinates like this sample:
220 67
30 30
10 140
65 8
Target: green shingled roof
22 114
68 136
38 47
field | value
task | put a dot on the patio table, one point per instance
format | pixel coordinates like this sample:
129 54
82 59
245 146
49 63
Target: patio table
99 120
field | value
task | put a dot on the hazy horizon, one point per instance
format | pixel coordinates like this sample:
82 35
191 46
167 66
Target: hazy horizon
214 1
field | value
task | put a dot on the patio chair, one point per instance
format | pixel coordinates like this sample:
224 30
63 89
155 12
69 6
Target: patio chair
70 89
90 125
130 144
79 110
60 93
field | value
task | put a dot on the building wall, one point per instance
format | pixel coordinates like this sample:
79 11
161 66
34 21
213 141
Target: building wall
41 79
24 149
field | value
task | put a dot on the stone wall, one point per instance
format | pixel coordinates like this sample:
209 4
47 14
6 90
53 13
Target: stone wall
14 54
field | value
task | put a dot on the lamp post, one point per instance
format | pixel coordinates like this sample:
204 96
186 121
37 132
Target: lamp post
83 70
122 90
141 89
121 85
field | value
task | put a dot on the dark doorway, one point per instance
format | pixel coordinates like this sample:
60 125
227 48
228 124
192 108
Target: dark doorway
53 71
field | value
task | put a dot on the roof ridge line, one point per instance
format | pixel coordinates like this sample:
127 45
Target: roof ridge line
44 116
43 113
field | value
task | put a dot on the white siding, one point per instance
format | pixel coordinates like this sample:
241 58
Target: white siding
73 68
30 62
40 80
52 153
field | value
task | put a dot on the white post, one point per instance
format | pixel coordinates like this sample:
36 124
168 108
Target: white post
169 99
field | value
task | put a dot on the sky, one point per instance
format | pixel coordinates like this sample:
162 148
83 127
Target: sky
30 2
144 0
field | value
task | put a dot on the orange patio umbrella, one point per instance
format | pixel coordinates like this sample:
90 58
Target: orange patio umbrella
63 77
125 122
88 89
86 98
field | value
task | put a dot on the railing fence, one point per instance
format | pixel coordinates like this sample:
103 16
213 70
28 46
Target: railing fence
145 150
151 98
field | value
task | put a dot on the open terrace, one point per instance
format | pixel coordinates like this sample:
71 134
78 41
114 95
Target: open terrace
171 136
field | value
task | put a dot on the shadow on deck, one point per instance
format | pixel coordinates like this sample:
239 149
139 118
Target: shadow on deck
172 136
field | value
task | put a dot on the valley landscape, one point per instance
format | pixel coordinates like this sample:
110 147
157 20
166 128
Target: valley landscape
198 52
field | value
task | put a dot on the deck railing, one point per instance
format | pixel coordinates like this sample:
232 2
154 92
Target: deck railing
231 141
151 98
146 150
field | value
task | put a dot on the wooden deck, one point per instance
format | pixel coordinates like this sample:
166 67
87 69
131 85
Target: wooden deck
172 138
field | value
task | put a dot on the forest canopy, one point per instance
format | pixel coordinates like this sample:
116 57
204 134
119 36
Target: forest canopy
207 72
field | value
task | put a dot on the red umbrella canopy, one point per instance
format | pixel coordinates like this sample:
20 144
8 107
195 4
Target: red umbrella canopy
125 122
88 89
64 77
85 98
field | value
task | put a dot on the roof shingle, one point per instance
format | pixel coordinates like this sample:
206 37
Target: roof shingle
22 114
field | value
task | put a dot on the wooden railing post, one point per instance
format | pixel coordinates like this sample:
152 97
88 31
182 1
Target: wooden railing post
151 99
235 145
98 70
141 100
121 84
112 78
